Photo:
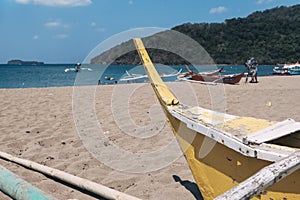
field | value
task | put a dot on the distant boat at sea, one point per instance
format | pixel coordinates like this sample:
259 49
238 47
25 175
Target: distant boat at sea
74 69
77 68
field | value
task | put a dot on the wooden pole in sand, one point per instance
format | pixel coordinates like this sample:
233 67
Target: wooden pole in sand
19 189
84 184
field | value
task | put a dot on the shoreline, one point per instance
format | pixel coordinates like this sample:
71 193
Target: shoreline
111 84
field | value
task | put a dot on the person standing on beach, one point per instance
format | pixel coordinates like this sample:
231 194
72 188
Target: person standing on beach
252 64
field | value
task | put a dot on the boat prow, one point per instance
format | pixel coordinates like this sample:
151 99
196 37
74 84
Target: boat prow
224 150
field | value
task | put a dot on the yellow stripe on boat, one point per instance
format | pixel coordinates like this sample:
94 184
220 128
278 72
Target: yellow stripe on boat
223 150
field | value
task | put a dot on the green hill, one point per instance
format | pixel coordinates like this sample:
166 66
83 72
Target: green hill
271 36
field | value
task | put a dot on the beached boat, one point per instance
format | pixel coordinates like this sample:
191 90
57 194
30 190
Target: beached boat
189 73
227 79
232 157
290 69
142 78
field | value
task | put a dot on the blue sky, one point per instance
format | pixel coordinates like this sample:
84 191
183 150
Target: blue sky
65 31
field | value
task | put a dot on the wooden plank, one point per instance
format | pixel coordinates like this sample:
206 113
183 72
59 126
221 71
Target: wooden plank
266 177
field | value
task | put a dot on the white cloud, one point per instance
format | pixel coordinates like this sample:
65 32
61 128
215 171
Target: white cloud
35 37
53 24
22 1
219 9
98 28
130 2
58 3
263 1
101 30
56 23
60 36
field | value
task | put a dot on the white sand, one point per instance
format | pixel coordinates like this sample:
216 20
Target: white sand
38 124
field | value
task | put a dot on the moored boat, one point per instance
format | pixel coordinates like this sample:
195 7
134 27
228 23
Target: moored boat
279 71
288 69
190 73
294 69
227 79
77 69
142 78
237 149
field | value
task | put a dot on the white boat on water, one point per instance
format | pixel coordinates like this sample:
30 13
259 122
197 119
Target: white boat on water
75 69
287 69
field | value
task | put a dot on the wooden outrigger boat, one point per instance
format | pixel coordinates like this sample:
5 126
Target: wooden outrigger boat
192 73
211 77
227 79
251 158
142 78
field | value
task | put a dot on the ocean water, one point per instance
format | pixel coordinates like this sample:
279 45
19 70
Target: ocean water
54 75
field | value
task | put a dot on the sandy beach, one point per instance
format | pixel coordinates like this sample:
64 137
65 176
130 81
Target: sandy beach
39 124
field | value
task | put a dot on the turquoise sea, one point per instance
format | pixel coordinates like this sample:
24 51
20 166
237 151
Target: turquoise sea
54 75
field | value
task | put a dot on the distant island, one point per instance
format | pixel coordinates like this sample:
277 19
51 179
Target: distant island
271 36
21 62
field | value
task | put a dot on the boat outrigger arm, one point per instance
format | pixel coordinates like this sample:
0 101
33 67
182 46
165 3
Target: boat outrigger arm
241 149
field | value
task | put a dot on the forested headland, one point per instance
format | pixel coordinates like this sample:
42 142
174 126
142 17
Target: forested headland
271 36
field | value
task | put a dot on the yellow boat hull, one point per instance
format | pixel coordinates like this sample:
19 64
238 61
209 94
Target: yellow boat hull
223 168
216 167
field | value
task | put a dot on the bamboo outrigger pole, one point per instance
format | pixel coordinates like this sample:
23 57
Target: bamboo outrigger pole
19 189
84 184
